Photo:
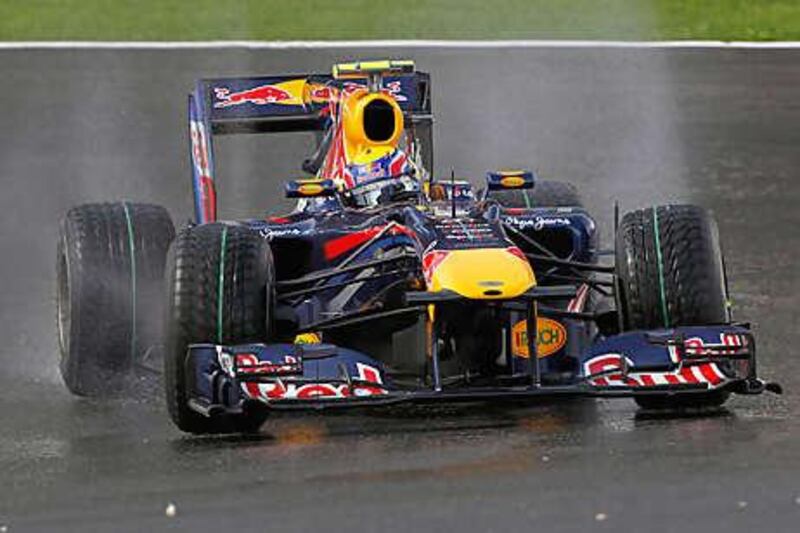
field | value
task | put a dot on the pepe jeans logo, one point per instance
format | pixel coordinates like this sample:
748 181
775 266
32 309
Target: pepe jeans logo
538 223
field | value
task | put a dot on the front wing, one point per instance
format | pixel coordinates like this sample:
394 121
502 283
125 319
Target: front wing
680 361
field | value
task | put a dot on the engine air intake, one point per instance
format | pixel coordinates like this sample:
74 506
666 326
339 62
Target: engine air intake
379 123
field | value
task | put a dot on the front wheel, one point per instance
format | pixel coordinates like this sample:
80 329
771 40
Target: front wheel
221 281
671 273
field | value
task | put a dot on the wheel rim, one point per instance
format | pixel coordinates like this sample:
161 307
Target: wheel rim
63 305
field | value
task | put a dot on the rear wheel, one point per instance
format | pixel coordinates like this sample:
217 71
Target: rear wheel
671 273
220 291
110 274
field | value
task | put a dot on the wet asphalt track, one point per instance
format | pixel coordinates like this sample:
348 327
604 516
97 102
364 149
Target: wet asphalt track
719 128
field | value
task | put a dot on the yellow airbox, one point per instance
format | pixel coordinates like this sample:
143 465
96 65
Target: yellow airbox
373 125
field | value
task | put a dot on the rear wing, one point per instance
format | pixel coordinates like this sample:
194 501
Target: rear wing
279 104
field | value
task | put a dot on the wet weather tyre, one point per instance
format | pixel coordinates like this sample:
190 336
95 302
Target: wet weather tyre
670 273
220 290
110 284
544 194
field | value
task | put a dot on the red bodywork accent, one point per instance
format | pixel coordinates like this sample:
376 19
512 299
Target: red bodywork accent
577 304
513 250
648 381
315 391
710 375
430 262
209 195
672 379
262 95
340 245
688 375
397 165
336 247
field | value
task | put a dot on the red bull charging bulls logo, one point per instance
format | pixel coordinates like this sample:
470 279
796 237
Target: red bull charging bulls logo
291 92
261 95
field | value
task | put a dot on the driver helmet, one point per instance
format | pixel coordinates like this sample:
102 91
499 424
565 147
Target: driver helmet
381 181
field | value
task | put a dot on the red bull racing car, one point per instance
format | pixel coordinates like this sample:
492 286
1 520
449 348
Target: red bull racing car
387 285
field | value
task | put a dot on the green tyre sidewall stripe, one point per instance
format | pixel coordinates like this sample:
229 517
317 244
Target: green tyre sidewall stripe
660 263
221 283
132 251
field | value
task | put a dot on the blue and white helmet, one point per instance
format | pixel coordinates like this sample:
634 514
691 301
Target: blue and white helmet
378 181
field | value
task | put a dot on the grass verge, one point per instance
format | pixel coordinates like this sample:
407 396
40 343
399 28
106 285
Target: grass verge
726 20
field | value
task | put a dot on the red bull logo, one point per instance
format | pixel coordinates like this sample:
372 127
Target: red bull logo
293 92
261 95
320 94
369 383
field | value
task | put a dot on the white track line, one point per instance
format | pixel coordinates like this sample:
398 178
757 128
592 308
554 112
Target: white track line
301 45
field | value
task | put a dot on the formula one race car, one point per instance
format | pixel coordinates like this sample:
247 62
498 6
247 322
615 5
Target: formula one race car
386 285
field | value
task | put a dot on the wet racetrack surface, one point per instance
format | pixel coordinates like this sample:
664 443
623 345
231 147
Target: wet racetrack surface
717 128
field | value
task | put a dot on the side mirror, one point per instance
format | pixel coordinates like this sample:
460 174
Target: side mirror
310 188
510 179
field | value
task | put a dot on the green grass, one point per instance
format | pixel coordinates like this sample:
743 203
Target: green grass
404 19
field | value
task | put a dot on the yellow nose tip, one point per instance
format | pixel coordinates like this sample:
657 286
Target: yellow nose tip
482 274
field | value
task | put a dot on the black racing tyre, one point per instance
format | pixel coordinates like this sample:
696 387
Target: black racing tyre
220 290
544 194
110 278
670 268
671 273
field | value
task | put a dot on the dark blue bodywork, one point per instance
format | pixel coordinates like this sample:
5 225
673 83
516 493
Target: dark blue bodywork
688 360
337 266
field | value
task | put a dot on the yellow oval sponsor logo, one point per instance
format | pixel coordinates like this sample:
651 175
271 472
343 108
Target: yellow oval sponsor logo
309 189
512 182
551 337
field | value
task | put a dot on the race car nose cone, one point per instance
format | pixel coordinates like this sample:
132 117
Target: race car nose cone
481 274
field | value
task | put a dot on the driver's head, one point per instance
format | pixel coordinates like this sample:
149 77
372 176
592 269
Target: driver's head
382 192
437 193
384 180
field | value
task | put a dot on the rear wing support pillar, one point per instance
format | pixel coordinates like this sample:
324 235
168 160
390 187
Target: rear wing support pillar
201 158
